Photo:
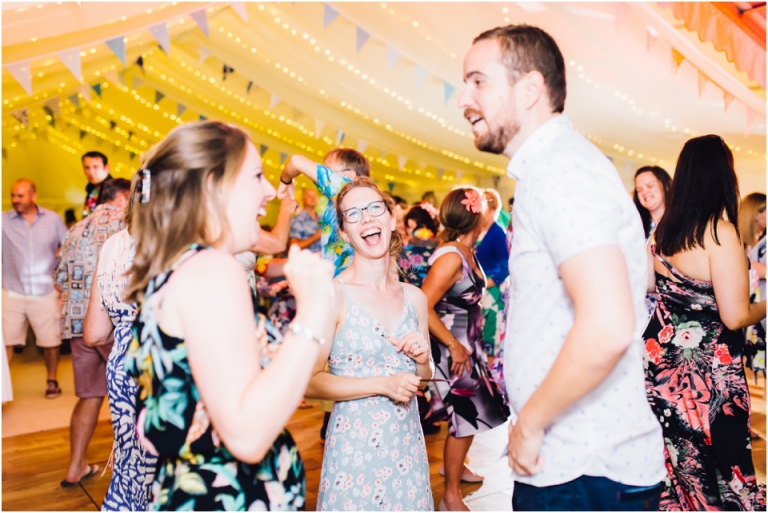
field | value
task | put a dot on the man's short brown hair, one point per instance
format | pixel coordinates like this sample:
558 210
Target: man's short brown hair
524 49
350 159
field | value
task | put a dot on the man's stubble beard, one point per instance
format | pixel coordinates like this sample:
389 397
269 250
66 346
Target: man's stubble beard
496 141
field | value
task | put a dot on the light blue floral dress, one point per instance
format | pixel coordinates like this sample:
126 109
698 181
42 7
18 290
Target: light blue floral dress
134 468
375 457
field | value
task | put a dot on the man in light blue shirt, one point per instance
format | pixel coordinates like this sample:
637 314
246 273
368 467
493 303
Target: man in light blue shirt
305 229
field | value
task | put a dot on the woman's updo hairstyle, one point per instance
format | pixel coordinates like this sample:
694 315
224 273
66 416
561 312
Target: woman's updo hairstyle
461 212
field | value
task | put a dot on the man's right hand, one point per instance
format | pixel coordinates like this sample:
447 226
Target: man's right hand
286 190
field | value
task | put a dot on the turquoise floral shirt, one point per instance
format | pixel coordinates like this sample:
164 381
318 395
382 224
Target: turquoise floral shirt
334 248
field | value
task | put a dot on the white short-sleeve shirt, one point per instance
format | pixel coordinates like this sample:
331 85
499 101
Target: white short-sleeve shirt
569 199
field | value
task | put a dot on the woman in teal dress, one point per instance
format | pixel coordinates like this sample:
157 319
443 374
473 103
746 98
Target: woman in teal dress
208 405
375 457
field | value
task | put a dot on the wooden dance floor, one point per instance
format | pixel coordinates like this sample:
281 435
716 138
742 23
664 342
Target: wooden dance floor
33 465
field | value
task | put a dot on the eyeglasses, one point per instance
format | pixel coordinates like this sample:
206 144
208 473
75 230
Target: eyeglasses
374 209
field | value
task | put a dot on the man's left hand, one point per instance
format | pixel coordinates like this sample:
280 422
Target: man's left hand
524 446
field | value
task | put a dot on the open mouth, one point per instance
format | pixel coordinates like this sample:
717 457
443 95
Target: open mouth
371 236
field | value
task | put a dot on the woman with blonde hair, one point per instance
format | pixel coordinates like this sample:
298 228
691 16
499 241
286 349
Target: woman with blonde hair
464 392
211 406
375 457
752 218
752 229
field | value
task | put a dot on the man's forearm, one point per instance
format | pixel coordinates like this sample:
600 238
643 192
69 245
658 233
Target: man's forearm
584 362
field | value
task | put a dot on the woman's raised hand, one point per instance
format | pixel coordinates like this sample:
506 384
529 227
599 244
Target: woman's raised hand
414 345
400 387
311 281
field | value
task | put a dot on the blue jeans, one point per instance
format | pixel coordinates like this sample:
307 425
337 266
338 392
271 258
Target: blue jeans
586 493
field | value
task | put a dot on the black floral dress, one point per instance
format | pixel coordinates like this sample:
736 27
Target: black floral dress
471 403
697 388
195 471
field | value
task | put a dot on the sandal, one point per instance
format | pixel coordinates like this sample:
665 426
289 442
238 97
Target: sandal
92 471
52 390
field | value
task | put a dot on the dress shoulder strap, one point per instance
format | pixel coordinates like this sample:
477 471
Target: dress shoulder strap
450 249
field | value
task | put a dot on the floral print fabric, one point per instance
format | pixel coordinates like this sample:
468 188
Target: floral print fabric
755 348
413 260
697 388
471 403
195 470
134 467
375 458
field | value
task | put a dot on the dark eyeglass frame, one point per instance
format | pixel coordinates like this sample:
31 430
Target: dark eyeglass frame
365 209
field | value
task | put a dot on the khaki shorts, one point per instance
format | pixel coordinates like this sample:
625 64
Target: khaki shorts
41 312
89 365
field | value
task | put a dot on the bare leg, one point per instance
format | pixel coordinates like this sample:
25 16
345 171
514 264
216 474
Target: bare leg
9 352
454 454
51 356
84 418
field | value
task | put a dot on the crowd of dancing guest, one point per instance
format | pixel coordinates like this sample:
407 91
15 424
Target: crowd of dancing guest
389 313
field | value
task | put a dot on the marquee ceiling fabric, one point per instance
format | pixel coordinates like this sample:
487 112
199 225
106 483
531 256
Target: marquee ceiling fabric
380 77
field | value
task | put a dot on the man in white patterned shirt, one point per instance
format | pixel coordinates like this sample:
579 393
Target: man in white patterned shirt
31 237
582 435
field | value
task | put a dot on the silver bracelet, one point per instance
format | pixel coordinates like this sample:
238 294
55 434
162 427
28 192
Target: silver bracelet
297 329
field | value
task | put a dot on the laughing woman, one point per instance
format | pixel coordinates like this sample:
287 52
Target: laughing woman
375 457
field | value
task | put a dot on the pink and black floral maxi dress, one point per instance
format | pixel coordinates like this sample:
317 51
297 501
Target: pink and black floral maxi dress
697 387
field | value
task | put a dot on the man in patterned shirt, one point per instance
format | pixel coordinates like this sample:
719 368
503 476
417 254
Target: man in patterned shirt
96 170
340 166
305 230
73 278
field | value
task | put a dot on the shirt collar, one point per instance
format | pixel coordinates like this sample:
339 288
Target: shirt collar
15 215
536 142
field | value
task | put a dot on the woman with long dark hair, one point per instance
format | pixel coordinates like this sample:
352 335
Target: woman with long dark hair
653 189
694 374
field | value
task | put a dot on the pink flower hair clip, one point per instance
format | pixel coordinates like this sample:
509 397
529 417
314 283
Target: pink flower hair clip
473 201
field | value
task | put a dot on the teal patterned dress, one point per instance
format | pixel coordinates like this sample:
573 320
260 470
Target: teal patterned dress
195 471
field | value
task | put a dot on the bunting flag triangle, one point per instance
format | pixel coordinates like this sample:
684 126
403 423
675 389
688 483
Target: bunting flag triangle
458 174
361 145
383 154
296 114
140 63
22 116
750 121
701 80
274 100
362 37
74 99
392 57
390 186
97 89
160 32
112 77
239 8
121 77
727 99
21 71
201 18
283 157
202 118
651 35
53 105
421 74
448 89
117 45
133 155
52 122
401 161
71 58
112 125
263 149
340 136
158 96
249 87
137 82
329 15
319 125
677 60
180 109
85 90
202 54
225 71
